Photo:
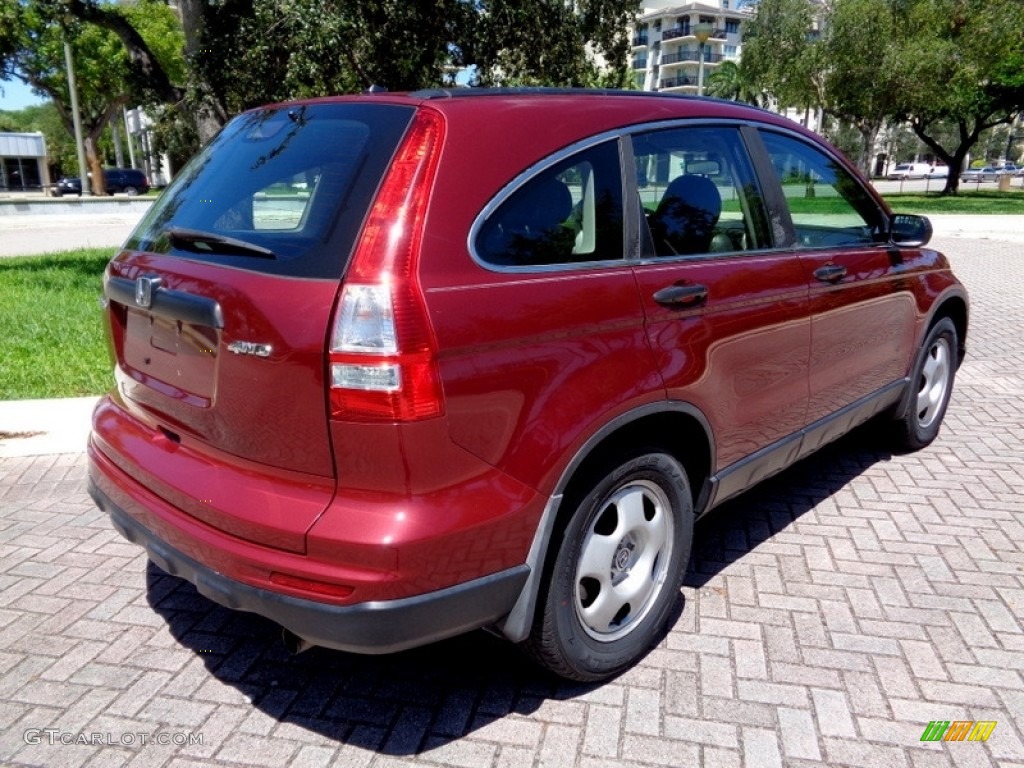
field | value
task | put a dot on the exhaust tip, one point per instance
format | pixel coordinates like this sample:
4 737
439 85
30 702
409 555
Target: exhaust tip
293 643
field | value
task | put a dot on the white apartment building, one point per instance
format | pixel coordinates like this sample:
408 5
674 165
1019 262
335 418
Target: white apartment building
666 49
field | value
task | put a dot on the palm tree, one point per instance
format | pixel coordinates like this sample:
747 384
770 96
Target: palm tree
730 81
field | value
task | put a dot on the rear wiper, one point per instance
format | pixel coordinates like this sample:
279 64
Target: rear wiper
208 242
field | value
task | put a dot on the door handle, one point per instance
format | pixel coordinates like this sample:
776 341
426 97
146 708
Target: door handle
830 273
679 296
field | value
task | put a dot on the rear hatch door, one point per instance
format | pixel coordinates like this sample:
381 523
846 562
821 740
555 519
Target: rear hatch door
220 303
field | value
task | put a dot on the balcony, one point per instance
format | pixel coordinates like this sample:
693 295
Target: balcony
676 82
639 41
640 62
672 34
683 56
677 32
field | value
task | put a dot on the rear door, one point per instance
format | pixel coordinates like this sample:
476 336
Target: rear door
727 317
220 304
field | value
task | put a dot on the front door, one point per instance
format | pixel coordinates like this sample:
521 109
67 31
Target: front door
861 326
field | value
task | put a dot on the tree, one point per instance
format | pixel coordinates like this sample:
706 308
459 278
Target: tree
862 89
783 53
504 45
730 80
10 39
965 67
242 53
931 63
105 75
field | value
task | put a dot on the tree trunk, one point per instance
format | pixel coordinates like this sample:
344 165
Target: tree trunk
92 159
210 116
868 133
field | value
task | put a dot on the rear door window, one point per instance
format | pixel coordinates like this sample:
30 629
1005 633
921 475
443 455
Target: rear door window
281 190
698 192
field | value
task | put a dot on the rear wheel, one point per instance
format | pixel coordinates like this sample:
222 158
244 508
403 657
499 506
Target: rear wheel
931 382
617 572
131 191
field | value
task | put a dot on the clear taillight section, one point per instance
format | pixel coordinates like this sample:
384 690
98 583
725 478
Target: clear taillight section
382 352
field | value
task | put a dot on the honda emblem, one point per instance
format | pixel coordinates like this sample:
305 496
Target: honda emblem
144 288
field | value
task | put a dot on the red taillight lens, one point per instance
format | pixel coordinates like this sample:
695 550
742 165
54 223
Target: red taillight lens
381 360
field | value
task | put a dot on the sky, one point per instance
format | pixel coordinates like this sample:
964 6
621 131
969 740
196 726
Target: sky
16 95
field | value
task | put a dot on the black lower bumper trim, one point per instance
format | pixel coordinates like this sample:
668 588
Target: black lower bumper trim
376 627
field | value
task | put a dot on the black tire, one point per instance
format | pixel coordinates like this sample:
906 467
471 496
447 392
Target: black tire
638 518
931 383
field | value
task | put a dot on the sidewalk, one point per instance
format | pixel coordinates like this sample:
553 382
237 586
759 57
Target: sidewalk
1003 227
42 427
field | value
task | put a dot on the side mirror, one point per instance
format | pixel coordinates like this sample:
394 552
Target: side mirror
909 230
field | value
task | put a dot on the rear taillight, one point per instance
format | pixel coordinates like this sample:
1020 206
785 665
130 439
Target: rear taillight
382 354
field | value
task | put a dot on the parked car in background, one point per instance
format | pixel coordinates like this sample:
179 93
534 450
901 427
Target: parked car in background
130 181
68 185
393 367
909 171
988 173
938 172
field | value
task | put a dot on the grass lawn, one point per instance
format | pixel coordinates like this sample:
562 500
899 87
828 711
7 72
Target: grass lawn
51 327
970 202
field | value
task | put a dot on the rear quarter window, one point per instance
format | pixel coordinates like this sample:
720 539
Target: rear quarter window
568 213
281 190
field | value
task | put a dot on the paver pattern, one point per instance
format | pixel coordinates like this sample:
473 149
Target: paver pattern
828 616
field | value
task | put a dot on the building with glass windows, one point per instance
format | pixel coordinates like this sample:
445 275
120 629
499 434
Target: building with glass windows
23 162
668 37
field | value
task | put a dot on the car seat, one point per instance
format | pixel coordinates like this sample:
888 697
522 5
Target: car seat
684 221
529 229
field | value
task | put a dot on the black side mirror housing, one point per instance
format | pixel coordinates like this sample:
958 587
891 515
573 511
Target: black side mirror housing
909 230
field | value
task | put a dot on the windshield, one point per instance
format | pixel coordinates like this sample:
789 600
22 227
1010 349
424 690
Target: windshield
281 190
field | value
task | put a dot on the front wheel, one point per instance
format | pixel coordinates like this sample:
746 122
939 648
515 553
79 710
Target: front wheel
931 385
617 572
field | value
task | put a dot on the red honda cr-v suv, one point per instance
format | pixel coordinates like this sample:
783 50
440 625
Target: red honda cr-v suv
397 366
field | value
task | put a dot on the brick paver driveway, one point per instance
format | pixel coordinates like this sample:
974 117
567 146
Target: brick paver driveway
829 616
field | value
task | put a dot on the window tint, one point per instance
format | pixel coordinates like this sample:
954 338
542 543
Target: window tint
698 192
570 212
281 190
828 206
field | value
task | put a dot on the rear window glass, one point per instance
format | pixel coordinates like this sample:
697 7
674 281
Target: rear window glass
281 190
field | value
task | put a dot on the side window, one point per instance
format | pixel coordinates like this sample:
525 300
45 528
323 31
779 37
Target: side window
570 212
828 206
282 205
698 191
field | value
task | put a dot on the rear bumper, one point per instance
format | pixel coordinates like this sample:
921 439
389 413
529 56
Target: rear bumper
382 626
